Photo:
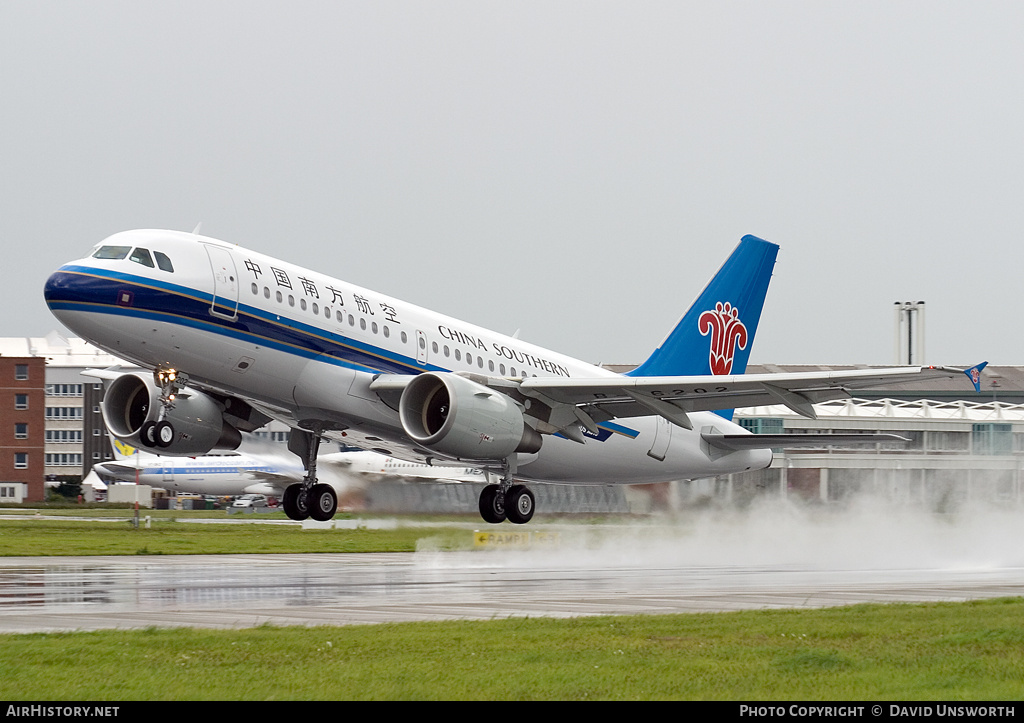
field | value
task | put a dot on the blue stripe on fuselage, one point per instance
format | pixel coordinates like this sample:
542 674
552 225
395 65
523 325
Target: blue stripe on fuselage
76 288
95 291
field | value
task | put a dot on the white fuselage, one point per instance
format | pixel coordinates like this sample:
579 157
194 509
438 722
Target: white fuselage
300 345
206 475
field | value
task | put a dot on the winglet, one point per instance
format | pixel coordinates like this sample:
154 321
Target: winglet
974 374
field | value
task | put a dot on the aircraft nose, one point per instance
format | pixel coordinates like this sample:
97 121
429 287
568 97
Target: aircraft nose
52 288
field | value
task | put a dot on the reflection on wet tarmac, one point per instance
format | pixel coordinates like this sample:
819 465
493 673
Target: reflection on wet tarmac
243 590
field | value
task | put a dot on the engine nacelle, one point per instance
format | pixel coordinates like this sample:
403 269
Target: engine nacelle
197 419
460 418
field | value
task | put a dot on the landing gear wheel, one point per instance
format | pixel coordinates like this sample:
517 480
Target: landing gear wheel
146 434
295 504
323 502
520 504
492 504
163 433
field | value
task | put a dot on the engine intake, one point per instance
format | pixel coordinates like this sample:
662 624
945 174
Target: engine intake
460 418
197 419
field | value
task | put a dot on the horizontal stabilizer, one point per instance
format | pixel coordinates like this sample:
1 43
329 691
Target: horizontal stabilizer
783 441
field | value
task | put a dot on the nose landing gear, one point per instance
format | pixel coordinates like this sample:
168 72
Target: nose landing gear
160 433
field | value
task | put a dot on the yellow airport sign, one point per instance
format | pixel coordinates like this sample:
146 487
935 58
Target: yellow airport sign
520 539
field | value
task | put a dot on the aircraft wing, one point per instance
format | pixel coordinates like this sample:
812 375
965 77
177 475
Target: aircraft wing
280 479
593 401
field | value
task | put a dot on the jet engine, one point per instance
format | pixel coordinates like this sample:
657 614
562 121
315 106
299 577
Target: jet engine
461 418
195 424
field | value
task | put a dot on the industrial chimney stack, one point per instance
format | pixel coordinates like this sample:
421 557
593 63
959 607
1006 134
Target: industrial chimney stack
909 332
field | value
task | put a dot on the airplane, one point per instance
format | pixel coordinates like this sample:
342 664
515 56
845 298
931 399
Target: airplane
264 473
236 338
213 474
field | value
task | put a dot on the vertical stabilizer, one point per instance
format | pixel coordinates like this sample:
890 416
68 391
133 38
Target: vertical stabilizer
716 334
122 451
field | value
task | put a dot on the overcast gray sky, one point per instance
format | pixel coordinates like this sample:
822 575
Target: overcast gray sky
574 169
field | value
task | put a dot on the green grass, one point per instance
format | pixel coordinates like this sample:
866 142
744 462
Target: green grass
945 651
970 651
167 536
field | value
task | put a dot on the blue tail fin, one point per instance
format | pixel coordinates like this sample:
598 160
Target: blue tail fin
716 334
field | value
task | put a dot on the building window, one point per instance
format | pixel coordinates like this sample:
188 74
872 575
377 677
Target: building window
21 371
992 438
763 425
64 436
21 460
63 412
63 460
63 390
21 430
21 401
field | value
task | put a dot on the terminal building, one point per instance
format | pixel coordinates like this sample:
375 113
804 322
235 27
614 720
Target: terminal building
961 445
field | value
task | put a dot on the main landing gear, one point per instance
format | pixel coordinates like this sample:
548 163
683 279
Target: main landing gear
507 501
308 498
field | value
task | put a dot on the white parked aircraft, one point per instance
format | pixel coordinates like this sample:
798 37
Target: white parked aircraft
266 474
236 338
213 474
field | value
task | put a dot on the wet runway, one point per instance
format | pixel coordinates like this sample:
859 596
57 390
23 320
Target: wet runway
232 591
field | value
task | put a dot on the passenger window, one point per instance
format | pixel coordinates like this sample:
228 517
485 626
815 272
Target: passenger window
255 289
405 338
141 256
163 262
327 312
111 252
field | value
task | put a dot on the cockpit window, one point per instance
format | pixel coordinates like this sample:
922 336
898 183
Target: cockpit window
111 252
142 256
163 262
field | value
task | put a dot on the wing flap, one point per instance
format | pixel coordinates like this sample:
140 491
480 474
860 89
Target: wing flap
735 442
